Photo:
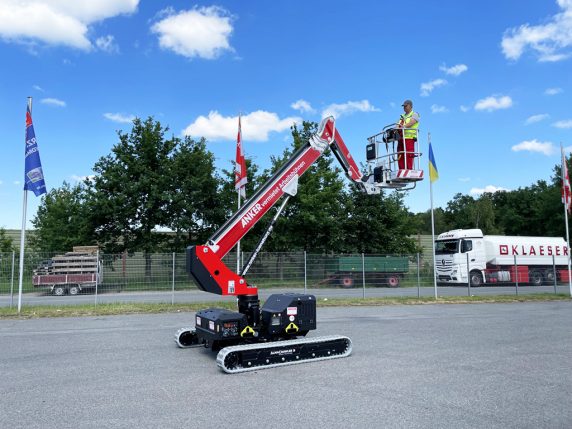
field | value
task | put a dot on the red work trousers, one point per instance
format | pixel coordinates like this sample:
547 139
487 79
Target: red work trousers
407 155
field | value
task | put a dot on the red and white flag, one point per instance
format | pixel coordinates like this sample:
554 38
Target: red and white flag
240 166
566 197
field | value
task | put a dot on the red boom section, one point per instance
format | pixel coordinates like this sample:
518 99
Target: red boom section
205 262
342 153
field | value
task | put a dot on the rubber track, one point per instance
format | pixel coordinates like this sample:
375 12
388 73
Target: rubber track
220 359
185 331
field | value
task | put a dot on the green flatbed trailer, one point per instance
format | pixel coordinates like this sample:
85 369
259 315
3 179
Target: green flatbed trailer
379 270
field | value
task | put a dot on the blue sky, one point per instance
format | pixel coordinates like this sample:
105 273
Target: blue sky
490 79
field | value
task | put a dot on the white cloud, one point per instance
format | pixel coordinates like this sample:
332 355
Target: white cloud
464 179
119 117
428 87
339 110
76 178
565 124
536 118
107 44
455 70
494 103
550 41
302 106
464 108
53 102
256 126
488 189
201 32
546 148
57 22
438 109
552 91
38 88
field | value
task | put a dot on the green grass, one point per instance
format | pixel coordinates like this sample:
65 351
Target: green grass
33 312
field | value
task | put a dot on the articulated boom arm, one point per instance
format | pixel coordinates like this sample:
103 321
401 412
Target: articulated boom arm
205 262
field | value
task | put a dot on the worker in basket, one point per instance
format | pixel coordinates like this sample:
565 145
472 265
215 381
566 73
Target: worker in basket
407 125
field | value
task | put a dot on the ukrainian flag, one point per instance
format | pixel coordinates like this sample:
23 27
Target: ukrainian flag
433 172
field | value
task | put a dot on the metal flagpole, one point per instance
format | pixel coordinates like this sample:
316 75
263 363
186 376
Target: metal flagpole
238 243
566 190
23 234
432 224
239 139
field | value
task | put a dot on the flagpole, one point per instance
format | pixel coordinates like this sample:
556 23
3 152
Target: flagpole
23 234
238 243
432 223
566 216
238 192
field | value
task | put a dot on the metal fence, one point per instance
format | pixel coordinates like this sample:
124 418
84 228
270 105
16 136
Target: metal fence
162 277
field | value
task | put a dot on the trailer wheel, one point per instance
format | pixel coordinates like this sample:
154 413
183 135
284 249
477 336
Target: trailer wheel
535 278
59 290
476 278
74 290
393 281
549 276
347 281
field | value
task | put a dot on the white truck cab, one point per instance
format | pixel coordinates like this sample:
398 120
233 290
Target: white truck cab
459 252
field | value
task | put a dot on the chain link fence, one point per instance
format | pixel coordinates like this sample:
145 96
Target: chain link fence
162 277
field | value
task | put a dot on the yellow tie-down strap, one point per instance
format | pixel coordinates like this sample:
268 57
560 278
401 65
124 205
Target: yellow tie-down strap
247 331
291 328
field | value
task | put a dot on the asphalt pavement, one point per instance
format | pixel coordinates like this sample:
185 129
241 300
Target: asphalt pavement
422 366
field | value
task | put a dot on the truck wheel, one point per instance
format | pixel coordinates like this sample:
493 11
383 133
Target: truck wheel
59 290
393 281
73 290
476 278
347 281
535 278
549 276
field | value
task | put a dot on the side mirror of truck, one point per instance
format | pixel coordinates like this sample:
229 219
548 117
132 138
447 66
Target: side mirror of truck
466 246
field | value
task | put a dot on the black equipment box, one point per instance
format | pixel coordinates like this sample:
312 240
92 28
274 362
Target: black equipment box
289 313
378 174
370 152
216 324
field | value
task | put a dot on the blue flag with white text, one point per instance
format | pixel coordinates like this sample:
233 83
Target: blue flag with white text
34 175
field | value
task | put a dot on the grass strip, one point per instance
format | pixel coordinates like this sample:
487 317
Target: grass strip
112 309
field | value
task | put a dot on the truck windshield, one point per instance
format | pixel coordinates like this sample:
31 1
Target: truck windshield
446 247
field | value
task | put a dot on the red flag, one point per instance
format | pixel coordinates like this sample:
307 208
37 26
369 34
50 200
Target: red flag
566 197
240 166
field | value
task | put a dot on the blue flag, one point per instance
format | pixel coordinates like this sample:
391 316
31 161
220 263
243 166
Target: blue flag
34 180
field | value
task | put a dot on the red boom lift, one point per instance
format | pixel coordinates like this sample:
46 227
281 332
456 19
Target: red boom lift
260 337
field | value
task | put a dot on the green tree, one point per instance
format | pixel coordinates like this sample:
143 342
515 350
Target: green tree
62 220
194 208
129 196
312 219
6 243
377 224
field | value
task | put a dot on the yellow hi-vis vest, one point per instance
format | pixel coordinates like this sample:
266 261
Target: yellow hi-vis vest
410 133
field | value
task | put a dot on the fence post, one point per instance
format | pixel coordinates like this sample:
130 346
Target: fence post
554 272
173 292
516 275
305 274
96 275
363 273
12 281
418 278
468 276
